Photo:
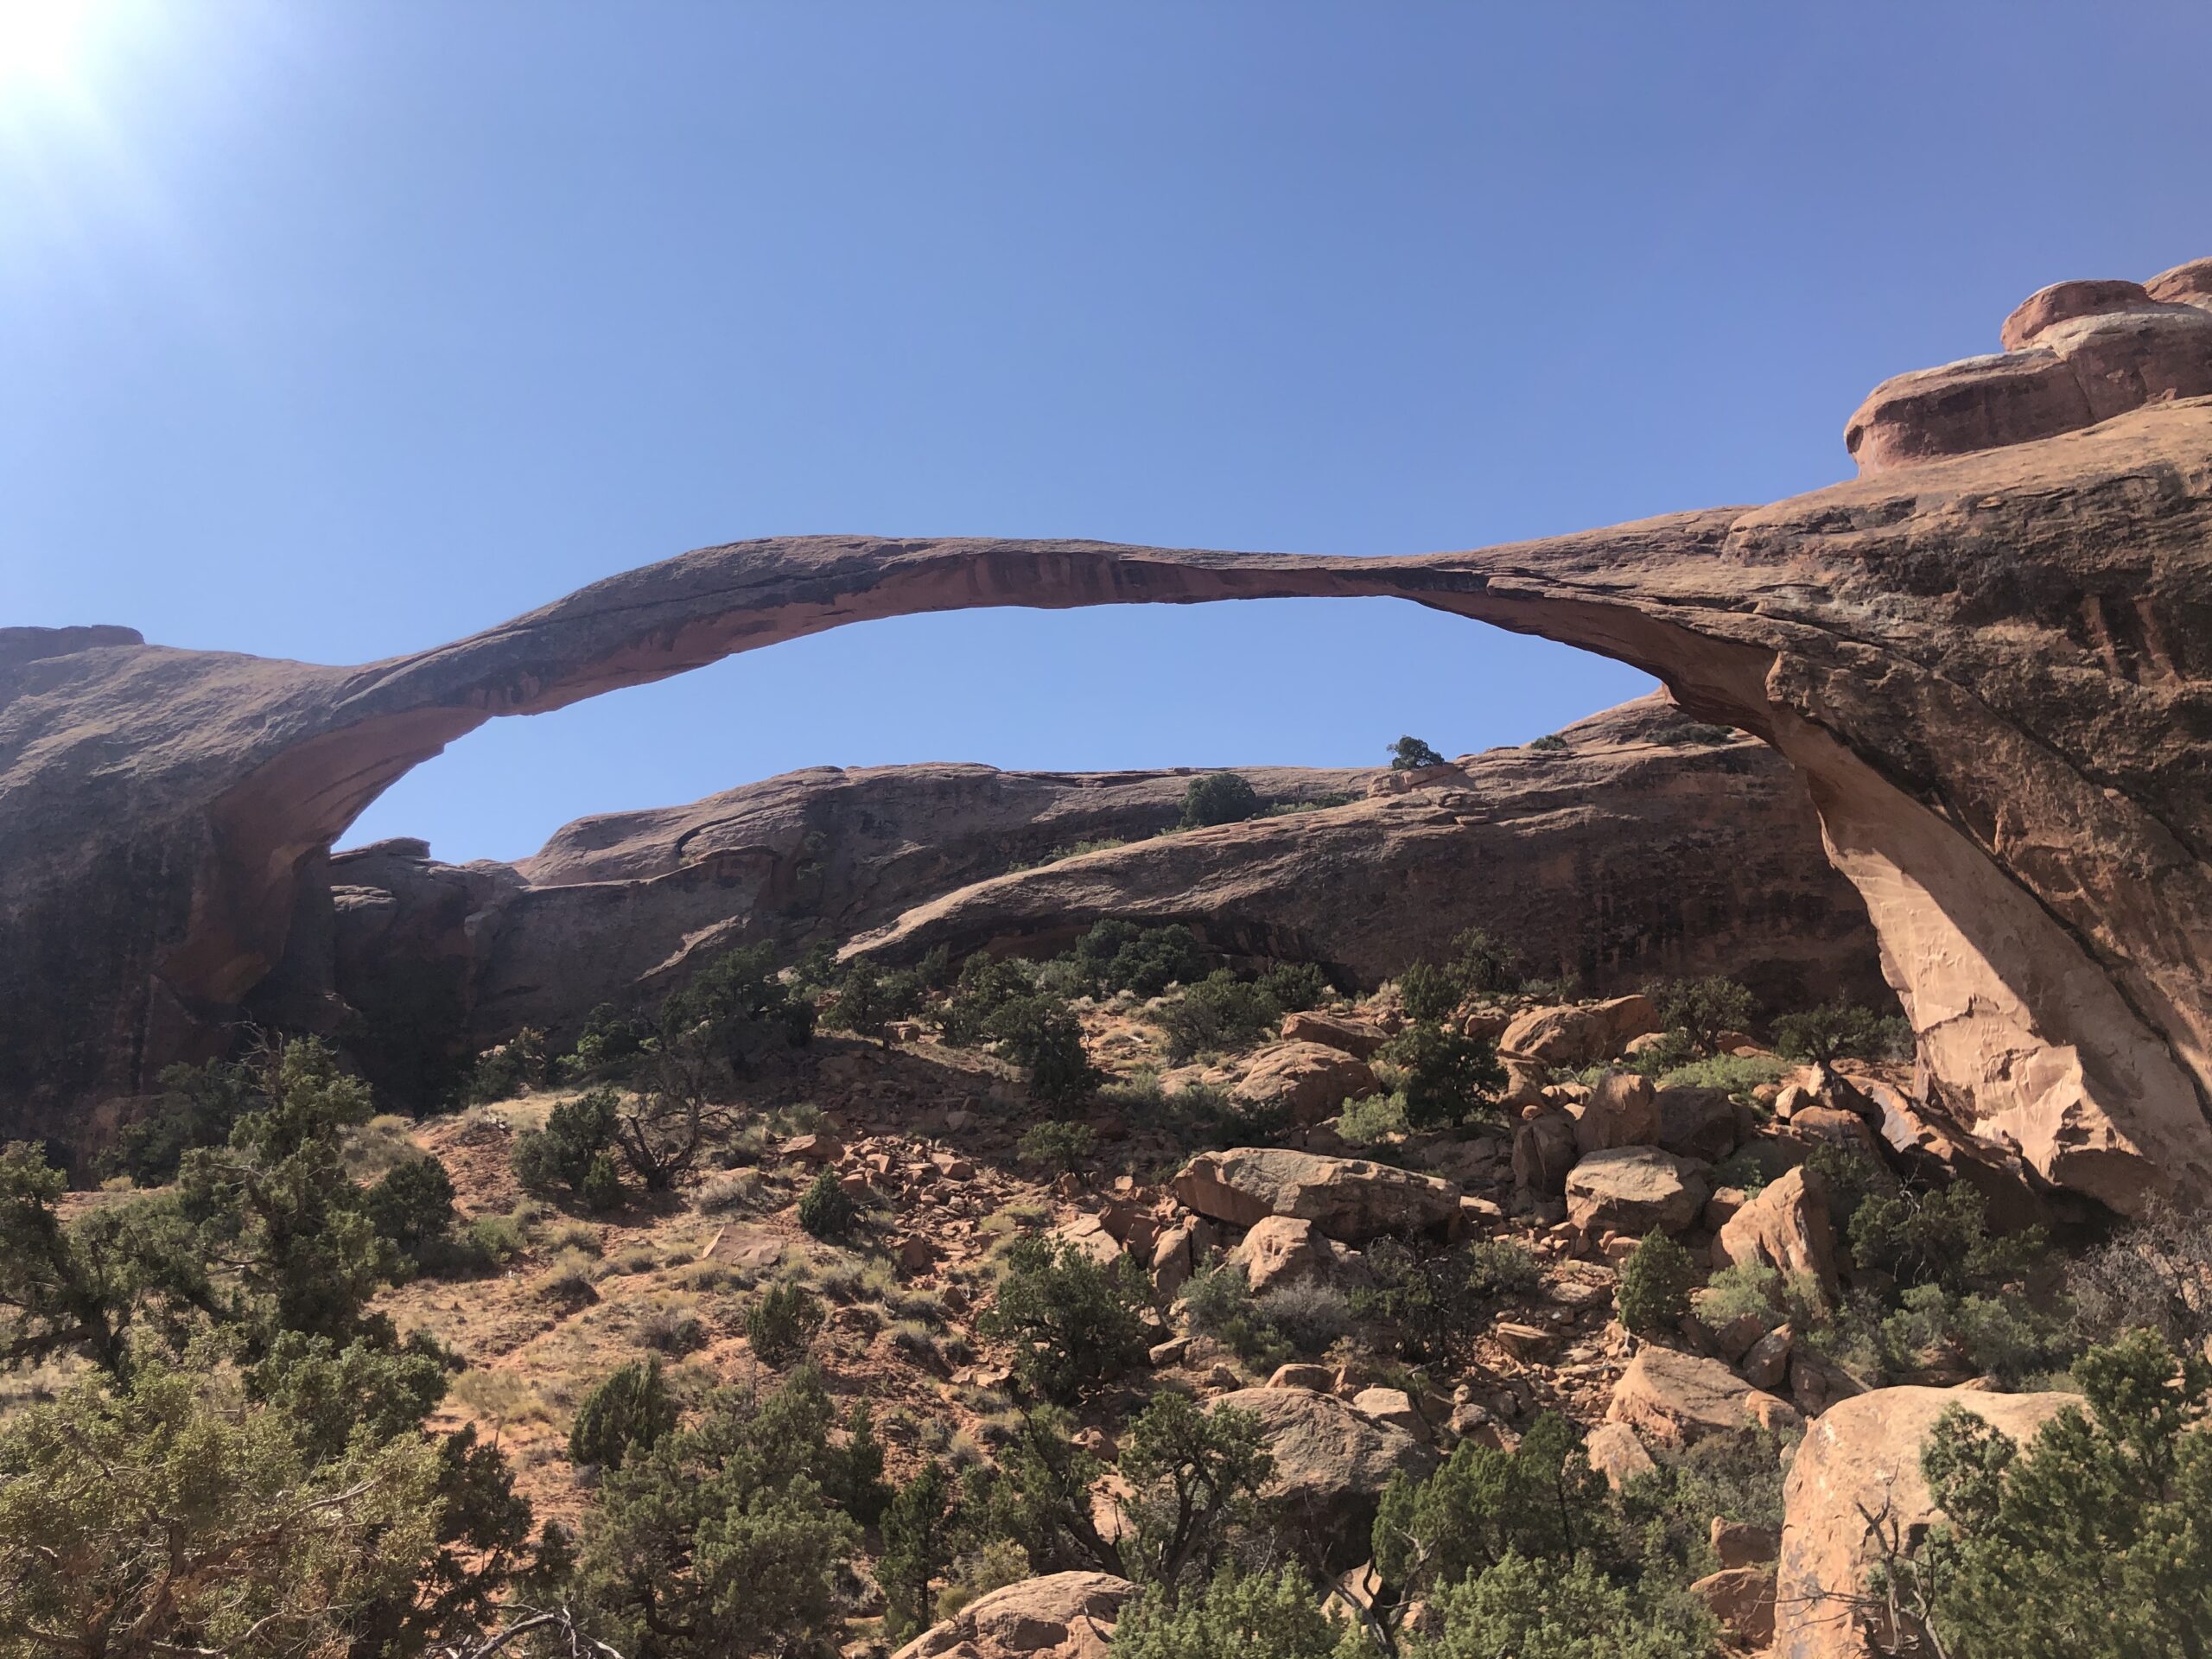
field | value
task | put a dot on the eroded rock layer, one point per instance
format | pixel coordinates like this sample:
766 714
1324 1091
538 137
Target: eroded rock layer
1991 668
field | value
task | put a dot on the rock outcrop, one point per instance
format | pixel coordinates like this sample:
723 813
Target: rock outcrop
1349 1199
1330 1462
1989 664
1676 1399
1060 1615
1861 1458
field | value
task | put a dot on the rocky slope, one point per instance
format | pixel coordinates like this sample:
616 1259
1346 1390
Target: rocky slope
1988 663
1644 848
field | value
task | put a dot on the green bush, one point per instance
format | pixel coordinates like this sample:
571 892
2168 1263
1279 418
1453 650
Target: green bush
576 1132
1501 1268
1840 1031
1293 986
1704 1009
1265 1616
197 1107
1217 1302
600 1189
1549 744
918 1545
1220 1013
781 1325
1065 1147
628 1410
736 1008
825 1209
1371 1119
1653 1293
1072 1323
1566 1609
1218 798
412 1207
1042 1035
1427 993
1411 755
986 984
1448 1077
1736 1076
1119 956
2086 1543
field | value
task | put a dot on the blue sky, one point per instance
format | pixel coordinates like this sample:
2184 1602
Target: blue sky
337 330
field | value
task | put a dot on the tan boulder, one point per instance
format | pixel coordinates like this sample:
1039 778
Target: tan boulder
1634 1190
1571 1034
1061 1616
1088 1235
1738 1543
1838 1127
1765 1364
1544 1153
1742 1598
1697 1123
1330 1463
1622 1110
1344 1032
1677 1399
1318 1378
1172 1260
1308 1082
1284 1250
1615 1453
1346 1199
1784 1227
1393 1406
1865 1454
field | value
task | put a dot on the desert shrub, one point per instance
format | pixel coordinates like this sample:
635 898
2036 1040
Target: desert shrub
918 1545
1192 1478
736 1008
1218 798
1734 1075
1042 1035
1218 1303
781 1325
1293 986
608 1042
1551 743
985 985
197 1107
1485 964
1427 993
864 1003
992 1565
1231 1615
1498 1268
1221 1013
825 1209
560 1155
412 1207
1570 1609
1483 1504
1372 1118
1755 1288
1703 1009
725 1537
1410 755
521 1063
1448 1077
1849 1176
1938 1236
671 1330
1653 1293
1072 1323
628 1409
1064 1146
2153 1275
1424 1300
2002 1333
1197 1116
2088 1542
600 1189
1841 1030
1307 1315
1667 1515
1119 956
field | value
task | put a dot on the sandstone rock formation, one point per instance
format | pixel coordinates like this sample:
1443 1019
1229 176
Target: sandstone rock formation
1674 1399
1861 1458
1784 1227
1060 1615
1349 1199
1636 1189
1330 1462
1988 663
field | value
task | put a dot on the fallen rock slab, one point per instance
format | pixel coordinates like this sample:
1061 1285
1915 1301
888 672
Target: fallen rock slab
1330 1463
1568 1034
1785 1227
1677 1399
1347 1199
1634 1190
1308 1082
1060 1615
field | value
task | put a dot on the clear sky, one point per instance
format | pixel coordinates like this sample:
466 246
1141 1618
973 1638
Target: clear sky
336 328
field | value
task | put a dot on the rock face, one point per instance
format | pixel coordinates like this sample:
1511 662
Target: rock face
1281 1251
1306 1082
1577 1036
1636 1189
1865 1453
1061 1616
1785 1227
1347 1199
1674 1399
1331 1463
1988 664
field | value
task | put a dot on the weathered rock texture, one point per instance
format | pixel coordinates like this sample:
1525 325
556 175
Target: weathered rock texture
1061 1616
1861 1458
1991 668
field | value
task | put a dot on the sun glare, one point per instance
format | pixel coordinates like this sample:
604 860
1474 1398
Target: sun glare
41 40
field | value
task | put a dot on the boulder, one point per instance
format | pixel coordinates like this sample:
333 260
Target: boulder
1837 1127
1392 1406
1353 1036
1765 1364
1634 1190
1615 1454
1697 1123
1346 1199
1284 1250
1171 1260
1742 1598
1061 1616
1308 1082
1622 1110
1318 1378
1738 1543
1785 1226
1578 1035
1677 1399
1331 1464
1863 1454
1088 1235
1544 1153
